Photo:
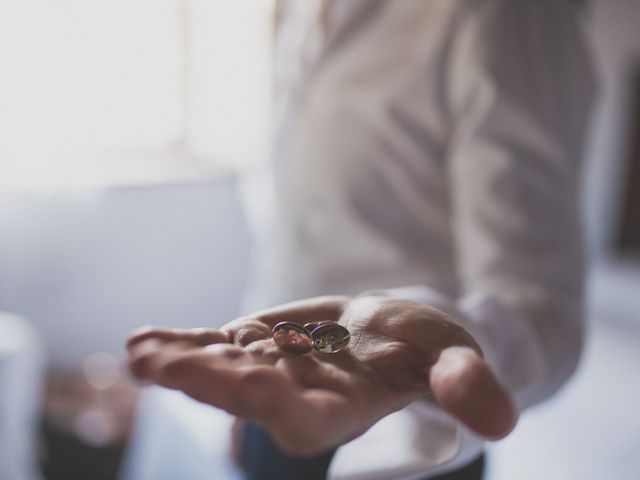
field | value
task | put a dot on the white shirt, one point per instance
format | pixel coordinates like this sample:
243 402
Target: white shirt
433 148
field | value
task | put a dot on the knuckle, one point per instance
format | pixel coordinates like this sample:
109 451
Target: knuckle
140 365
265 351
249 334
176 367
227 351
139 335
208 336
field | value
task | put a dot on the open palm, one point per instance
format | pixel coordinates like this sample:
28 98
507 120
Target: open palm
400 351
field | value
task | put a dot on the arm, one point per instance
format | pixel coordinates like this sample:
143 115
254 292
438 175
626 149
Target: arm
519 90
520 99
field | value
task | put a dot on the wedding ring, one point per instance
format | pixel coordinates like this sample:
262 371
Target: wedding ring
329 337
326 337
292 338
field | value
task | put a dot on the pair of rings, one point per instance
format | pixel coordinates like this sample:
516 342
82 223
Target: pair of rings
325 337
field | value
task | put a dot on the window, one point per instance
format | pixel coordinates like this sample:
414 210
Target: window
95 91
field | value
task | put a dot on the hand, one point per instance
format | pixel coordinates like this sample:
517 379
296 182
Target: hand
400 351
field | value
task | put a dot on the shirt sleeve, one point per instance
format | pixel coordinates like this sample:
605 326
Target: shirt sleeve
520 92
519 89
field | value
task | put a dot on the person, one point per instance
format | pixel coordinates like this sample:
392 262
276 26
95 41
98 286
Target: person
423 192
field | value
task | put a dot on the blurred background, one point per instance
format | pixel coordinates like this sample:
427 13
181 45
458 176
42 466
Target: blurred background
126 128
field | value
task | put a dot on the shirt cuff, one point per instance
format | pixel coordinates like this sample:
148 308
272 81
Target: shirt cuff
416 441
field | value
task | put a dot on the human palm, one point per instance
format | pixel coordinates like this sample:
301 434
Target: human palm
400 351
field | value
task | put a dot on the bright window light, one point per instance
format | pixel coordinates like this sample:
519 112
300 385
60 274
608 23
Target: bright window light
96 91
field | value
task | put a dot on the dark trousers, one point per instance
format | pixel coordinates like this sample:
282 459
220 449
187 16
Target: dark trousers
264 461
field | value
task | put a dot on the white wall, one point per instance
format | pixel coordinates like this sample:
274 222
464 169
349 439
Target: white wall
87 267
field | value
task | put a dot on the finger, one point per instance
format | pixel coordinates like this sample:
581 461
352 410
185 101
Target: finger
304 311
464 385
302 421
151 349
146 357
232 382
198 336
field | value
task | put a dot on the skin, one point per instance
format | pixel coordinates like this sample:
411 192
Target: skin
400 351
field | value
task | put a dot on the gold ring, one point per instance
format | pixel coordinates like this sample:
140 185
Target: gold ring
326 337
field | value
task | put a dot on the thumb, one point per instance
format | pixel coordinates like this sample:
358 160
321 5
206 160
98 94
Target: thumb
464 385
